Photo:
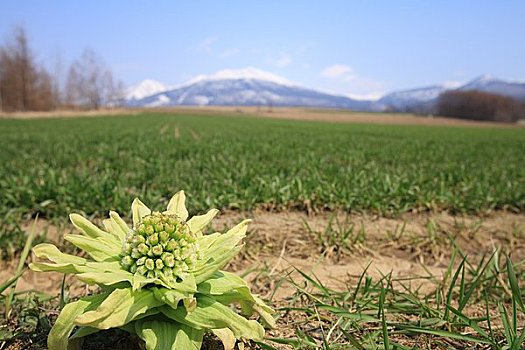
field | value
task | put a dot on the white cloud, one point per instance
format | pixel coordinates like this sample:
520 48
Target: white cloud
338 71
283 60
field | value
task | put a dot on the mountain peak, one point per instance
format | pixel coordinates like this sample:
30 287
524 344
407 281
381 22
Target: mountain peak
146 87
249 73
483 79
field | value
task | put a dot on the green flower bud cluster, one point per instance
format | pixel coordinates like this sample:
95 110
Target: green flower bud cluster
160 246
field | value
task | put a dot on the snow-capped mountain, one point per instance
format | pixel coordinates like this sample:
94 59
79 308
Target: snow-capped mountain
406 99
145 88
424 99
246 87
249 73
253 87
488 83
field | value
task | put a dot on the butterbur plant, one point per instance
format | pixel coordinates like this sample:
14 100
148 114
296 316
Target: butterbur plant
160 279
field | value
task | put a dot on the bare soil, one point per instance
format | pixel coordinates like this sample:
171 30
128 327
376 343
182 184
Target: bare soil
413 245
334 247
327 115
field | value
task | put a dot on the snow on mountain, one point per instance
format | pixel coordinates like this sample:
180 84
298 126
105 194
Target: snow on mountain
145 88
254 87
248 73
246 87
424 99
405 100
488 83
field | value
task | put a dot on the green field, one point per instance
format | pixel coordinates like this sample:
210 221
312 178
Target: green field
52 167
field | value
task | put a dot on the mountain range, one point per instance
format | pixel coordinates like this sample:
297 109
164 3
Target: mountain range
252 87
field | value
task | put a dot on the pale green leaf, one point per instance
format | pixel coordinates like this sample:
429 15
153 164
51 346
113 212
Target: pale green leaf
210 314
160 335
104 266
177 205
219 252
263 310
51 267
140 281
52 253
223 282
226 337
206 241
228 288
120 307
116 226
139 210
64 263
199 222
222 256
99 249
86 227
171 297
59 334
105 278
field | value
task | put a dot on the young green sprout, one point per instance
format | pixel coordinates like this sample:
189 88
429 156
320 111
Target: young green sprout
160 279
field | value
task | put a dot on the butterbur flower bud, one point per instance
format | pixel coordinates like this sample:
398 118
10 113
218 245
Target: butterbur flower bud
127 261
159 265
135 254
149 230
169 228
164 236
157 250
150 264
168 259
143 249
171 245
126 248
162 245
153 239
138 239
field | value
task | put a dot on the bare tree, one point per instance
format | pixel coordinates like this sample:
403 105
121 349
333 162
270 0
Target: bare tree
21 78
90 83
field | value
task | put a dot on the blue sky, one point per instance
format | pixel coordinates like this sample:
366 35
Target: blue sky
348 47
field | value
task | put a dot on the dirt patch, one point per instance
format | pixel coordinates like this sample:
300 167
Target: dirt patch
337 247
331 115
333 249
69 113
327 115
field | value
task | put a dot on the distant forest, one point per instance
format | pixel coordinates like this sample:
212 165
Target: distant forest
477 105
26 85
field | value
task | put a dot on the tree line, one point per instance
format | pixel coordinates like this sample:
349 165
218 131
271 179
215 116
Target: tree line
478 105
26 85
